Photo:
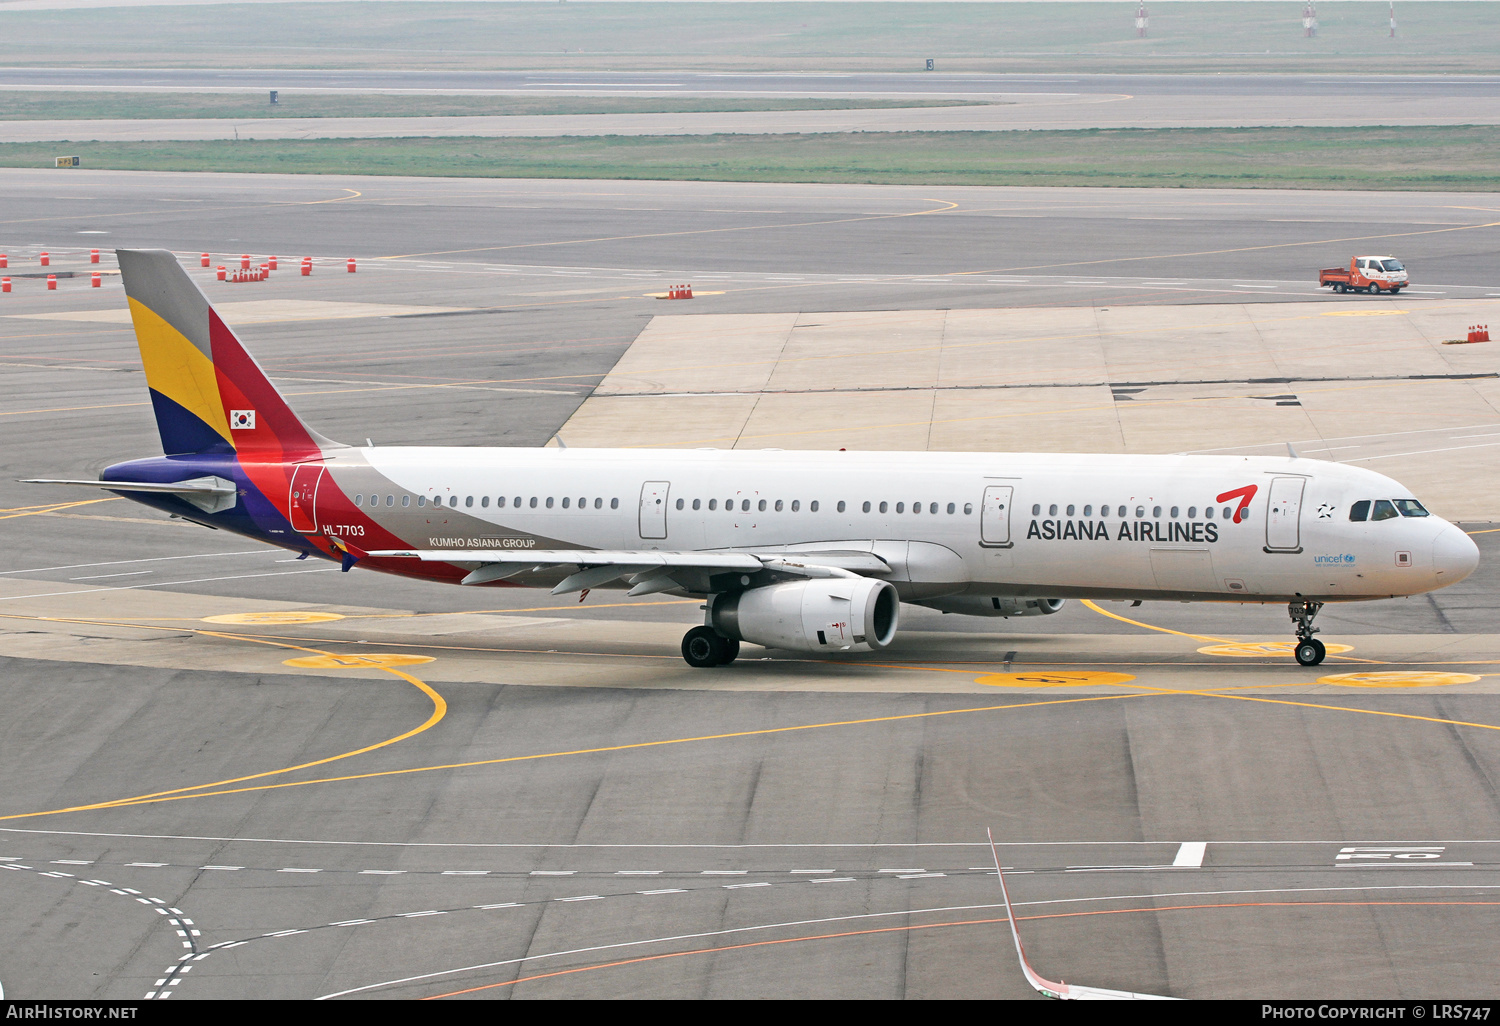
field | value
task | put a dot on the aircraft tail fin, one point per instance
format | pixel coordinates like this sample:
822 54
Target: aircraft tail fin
208 393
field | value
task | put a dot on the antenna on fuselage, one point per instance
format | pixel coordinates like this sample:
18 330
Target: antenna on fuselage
560 443
1293 453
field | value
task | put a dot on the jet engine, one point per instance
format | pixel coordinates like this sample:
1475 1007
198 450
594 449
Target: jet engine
839 614
992 605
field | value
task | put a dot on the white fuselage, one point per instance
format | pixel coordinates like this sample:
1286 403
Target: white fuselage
948 524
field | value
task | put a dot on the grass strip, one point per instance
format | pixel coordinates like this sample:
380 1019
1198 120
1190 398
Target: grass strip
1463 158
49 105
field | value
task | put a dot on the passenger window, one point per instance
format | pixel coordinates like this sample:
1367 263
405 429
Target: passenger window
1227 513
565 502
599 503
1140 511
745 505
884 507
406 500
761 506
421 501
1052 510
1088 511
1155 511
713 503
468 500
1360 511
1036 509
359 500
900 507
1208 511
584 504
679 503
697 503
952 509
1192 512
1384 510
968 508
1410 508
867 506
549 502
813 506
499 502
533 502
1070 509
778 505
484 501
614 503
796 505
1174 512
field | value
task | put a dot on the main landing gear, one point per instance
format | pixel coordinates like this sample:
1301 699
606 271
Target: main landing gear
704 647
1310 651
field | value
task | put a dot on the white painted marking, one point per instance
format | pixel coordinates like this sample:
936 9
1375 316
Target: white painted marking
503 904
553 872
231 944
130 890
352 922
151 559
415 915
72 862
56 875
100 577
735 887
581 897
665 890
283 933
289 870
88 883
638 872
903 870
1190 854
834 879
10 858
227 869
918 876
144 901
381 872
1398 865
147 865
724 872
466 872
813 872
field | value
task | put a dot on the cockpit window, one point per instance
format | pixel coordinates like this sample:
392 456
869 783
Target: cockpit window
1383 510
1360 511
1410 508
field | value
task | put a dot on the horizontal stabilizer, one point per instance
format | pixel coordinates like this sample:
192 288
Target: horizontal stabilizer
197 486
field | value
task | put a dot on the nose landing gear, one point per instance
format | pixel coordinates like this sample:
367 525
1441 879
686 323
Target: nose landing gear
1310 651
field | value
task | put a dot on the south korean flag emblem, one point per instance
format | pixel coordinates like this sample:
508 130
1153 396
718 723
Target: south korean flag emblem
242 420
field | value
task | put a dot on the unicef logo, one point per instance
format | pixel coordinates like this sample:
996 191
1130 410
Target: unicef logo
1343 559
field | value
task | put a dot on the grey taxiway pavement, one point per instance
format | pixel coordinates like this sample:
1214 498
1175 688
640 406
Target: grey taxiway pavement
538 798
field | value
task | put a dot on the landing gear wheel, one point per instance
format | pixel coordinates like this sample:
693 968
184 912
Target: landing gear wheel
704 647
1311 652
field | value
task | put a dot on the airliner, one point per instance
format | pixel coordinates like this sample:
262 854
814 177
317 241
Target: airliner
808 552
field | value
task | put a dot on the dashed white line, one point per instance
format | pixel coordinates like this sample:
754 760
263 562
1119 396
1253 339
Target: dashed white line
735 887
147 865
553 872
227 869
292 870
581 897
503 904
834 879
903 870
724 872
813 872
381 872
665 890
415 915
466 872
352 922
637 872
72 862
917 876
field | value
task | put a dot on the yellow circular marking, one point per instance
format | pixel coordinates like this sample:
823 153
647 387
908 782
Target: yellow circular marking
1361 313
277 618
1048 679
1261 649
1398 679
375 660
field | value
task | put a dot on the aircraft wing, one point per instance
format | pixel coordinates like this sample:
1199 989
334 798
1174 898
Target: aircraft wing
1061 991
647 570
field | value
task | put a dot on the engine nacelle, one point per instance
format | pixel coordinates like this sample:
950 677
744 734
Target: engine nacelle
839 614
992 605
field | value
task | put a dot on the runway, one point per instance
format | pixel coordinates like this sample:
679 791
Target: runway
233 774
1012 103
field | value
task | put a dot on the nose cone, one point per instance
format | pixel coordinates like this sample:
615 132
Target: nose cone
1454 555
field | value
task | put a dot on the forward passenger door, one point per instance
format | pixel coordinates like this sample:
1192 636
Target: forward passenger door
653 516
994 517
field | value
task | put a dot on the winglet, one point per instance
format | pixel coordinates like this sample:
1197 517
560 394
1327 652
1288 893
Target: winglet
1059 990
